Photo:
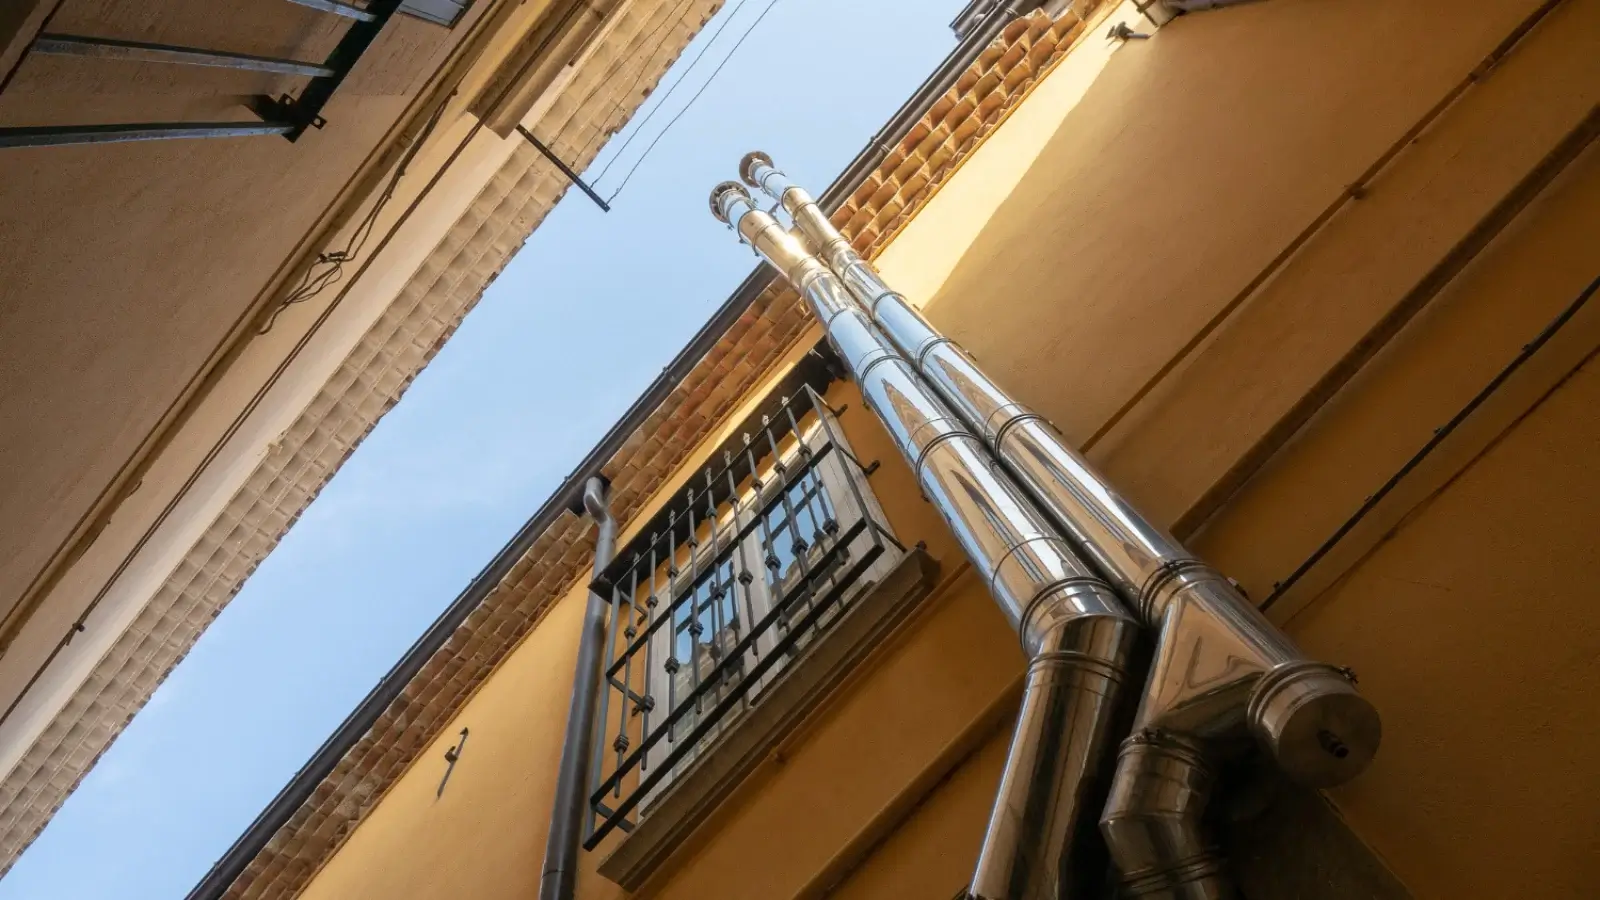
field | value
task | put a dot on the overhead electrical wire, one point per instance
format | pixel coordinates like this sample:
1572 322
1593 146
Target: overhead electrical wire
714 72
704 48
313 284
676 17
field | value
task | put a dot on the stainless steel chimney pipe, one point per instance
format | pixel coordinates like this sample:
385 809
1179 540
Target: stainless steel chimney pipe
1075 633
1220 667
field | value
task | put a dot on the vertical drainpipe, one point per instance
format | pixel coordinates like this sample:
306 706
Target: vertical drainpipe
560 878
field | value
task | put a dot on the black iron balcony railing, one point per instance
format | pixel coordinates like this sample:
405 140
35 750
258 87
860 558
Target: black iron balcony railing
722 591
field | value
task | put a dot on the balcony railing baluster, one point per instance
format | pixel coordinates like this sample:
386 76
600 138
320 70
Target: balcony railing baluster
741 566
649 627
691 597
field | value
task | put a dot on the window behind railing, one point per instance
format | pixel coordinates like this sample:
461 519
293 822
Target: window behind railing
755 557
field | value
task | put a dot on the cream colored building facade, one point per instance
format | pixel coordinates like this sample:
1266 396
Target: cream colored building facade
196 332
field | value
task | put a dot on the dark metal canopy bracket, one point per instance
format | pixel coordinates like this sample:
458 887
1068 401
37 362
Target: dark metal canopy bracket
338 9
138 51
305 111
287 116
566 170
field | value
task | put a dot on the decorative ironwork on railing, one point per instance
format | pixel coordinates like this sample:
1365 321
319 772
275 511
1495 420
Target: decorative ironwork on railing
755 558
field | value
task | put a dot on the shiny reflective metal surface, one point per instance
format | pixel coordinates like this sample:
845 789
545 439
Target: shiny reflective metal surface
1308 714
1209 655
1038 843
1221 670
1125 547
1121 542
1152 820
1026 566
1076 633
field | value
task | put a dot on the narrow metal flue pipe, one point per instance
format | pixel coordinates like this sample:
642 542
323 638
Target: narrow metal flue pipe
1220 667
1075 633
560 878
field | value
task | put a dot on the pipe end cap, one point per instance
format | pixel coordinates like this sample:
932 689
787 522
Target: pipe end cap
720 193
747 166
1320 731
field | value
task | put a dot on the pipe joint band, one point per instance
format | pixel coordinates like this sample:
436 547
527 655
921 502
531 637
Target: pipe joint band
1011 415
1056 609
927 346
810 273
1183 748
874 361
1201 876
1165 581
926 450
1063 589
1107 670
1152 821
881 294
790 195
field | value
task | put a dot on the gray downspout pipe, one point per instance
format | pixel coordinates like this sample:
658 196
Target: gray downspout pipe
560 878
1220 668
1076 635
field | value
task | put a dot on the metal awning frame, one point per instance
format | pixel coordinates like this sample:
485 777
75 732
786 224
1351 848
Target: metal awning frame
289 116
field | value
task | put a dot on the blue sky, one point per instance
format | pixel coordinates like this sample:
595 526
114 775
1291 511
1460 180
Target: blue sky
489 430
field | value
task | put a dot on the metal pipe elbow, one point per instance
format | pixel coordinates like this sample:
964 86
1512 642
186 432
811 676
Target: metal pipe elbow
1221 668
594 500
1080 617
1035 846
1152 820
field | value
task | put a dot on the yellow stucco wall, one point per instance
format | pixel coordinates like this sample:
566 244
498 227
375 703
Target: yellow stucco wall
1476 633
1173 178
1133 196
1489 726
1483 787
484 837
808 813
